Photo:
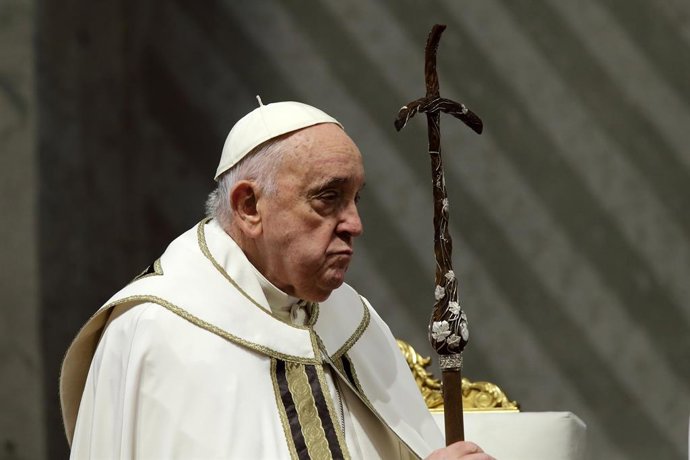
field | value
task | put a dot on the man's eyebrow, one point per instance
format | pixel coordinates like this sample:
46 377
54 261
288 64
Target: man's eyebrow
332 182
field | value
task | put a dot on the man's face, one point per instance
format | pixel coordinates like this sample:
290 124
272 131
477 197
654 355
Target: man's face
309 225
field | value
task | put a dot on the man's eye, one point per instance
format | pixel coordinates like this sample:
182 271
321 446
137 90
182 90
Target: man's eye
328 196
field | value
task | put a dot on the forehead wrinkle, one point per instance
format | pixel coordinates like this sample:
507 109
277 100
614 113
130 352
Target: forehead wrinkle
336 181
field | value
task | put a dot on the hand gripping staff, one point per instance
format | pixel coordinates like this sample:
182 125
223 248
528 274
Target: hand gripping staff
448 332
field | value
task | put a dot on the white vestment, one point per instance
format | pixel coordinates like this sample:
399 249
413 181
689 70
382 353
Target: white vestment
188 362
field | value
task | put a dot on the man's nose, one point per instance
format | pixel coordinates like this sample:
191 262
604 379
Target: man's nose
351 223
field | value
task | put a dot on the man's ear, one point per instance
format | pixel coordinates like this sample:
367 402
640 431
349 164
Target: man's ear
243 199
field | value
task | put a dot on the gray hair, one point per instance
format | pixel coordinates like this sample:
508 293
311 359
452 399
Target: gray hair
260 166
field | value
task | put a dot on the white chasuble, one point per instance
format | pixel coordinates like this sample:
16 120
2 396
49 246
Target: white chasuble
189 362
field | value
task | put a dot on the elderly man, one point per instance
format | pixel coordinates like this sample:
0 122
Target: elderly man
242 340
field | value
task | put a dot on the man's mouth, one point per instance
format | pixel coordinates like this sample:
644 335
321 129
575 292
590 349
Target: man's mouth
341 252
341 258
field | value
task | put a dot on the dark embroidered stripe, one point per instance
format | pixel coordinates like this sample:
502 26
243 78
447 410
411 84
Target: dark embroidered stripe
291 411
347 367
324 415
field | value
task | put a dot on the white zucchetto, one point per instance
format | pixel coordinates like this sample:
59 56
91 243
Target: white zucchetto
264 123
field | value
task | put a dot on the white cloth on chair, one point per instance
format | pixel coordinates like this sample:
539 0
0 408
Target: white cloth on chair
526 435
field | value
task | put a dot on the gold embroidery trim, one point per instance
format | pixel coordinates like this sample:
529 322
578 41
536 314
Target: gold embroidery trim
184 314
339 365
157 271
201 237
355 335
281 411
307 413
314 313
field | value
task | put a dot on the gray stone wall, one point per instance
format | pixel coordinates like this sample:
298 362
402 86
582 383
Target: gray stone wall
21 373
569 214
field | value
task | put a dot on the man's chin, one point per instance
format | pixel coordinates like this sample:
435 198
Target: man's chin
323 292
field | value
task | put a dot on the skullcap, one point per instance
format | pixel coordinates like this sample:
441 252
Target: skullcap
264 123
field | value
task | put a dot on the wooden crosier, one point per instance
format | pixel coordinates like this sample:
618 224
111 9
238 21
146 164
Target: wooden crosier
448 330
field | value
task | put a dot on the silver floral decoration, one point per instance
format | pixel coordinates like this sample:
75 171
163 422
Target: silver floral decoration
439 292
453 340
464 331
440 330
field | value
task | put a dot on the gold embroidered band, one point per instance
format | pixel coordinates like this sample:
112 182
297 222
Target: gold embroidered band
309 421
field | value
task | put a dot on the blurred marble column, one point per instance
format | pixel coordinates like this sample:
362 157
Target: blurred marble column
21 419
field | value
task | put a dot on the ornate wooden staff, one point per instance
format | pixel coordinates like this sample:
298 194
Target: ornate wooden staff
448 332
